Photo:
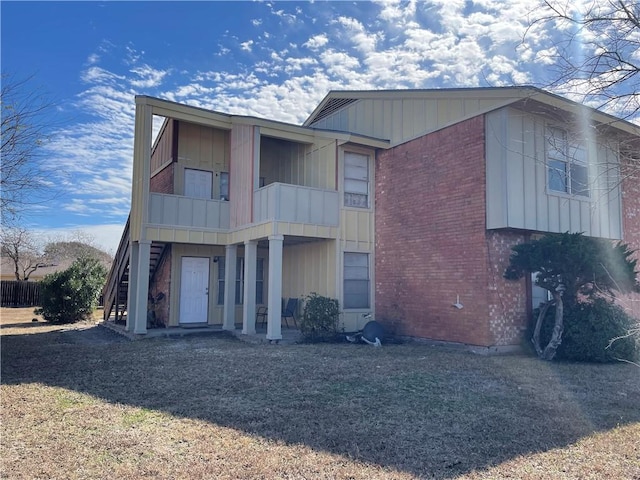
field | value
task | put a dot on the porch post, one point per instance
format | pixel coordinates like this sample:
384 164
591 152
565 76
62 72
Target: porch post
229 311
133 285
274 317
249 305
141 292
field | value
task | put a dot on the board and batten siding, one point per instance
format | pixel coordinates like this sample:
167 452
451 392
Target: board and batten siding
309 165
309 267
516 185
202 148
241 182
163 151
402 119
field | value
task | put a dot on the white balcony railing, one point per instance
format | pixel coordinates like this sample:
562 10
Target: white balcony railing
295 203
175 210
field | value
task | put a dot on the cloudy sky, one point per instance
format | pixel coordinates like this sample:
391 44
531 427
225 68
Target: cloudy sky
268 59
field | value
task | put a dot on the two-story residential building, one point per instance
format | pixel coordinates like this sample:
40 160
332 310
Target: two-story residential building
229 213
403 203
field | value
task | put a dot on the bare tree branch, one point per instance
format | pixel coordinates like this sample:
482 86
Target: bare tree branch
23 249
25 125
595 57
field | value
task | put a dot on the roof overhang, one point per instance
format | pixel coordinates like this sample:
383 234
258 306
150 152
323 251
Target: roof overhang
272 128
497 96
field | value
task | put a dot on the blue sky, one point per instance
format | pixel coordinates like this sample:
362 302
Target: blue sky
269 59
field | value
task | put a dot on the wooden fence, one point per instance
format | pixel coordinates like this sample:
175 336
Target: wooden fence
19 294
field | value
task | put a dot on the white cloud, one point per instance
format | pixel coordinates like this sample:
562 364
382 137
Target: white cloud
93 58
317 41
100 75
399 44
147 76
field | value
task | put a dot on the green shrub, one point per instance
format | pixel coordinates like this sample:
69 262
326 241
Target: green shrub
589 328
320 318
72 294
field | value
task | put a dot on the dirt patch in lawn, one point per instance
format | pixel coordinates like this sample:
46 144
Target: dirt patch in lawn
209 407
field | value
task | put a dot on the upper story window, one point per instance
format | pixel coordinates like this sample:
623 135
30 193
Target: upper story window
567 170
356 180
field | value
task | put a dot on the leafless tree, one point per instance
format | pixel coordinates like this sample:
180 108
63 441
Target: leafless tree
591 49
594 54
23 249
25 123
28 251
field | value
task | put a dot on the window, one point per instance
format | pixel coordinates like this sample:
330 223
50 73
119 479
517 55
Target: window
240 280
567 170
356 180
224 186
356 280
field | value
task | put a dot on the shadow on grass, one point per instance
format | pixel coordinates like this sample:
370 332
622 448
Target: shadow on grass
418 409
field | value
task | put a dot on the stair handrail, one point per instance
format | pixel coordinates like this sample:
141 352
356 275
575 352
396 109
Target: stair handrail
116 273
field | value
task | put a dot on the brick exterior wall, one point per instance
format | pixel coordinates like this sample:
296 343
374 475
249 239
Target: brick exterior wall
508 300
161 282
162 182
631 228
431 243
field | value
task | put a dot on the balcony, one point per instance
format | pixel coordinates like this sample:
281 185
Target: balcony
178 211
296 204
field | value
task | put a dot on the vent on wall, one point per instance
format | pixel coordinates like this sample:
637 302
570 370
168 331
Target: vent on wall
333 106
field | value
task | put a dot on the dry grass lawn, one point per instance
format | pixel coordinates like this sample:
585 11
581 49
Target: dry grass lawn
82 402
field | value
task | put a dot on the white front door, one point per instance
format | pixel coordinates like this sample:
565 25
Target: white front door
197 183
194 290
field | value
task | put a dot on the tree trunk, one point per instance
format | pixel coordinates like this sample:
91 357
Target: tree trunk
556 337
536 332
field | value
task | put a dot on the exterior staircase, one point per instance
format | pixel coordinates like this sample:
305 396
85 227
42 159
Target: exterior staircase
116 289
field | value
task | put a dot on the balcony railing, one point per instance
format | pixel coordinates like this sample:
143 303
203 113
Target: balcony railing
175 210
294 203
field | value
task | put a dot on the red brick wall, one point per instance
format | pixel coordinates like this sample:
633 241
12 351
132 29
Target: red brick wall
160 283
631 227
162 182
431 243
508 300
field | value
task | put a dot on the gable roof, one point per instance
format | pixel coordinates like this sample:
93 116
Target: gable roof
487 99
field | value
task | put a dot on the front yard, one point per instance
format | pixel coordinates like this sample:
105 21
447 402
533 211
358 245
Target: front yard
85 403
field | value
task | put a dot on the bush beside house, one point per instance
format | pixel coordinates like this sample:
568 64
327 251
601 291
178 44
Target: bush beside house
71 295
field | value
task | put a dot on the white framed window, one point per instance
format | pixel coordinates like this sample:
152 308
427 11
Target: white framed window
356 180
567 170
356 280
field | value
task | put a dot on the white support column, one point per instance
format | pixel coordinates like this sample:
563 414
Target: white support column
249 305
274 318
133 285
229 312
142 288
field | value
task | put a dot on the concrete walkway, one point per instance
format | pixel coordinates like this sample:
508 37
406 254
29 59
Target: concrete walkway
289 335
